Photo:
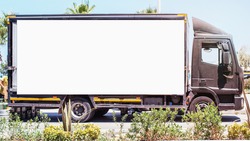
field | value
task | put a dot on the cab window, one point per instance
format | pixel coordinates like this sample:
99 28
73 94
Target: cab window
211 53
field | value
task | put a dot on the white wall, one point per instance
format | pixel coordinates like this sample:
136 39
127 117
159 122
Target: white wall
100 57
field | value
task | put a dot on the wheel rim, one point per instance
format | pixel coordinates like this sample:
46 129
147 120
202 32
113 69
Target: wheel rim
79 110
202 105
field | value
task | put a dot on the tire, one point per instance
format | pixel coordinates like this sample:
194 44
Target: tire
101 111
81 110
201 101
23 113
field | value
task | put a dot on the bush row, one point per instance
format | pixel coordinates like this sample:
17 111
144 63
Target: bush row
205 124
38 129
159 124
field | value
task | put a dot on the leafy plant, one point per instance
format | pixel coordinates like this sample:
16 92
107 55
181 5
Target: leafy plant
31 130
86 132
149 10
121 134
66 116
239 131
4 68
107 136
247 84
3 29
56 133
207 123
14 129
155 125
83 8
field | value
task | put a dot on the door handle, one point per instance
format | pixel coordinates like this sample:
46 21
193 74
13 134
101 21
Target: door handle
203 82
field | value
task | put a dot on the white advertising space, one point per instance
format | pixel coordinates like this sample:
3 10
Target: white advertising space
100 57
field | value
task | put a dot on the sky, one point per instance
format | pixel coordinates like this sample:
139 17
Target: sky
232 16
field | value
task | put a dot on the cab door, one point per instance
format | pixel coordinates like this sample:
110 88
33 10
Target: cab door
216 66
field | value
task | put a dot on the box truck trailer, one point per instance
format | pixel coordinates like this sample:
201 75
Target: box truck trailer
124 61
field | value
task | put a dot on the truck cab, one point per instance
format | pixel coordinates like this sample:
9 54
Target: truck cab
216 74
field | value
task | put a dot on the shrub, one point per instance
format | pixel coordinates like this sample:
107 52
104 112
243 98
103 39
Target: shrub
247 84
239 131
56 133
155 125
66 116
207 123
14 129
81 132
111 135
86 132
3 128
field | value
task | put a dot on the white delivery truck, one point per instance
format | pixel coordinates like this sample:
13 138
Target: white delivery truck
104 61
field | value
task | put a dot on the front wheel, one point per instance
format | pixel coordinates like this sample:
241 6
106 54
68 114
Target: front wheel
201 102
81 110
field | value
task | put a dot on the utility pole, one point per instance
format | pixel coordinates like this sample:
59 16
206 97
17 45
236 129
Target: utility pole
159 6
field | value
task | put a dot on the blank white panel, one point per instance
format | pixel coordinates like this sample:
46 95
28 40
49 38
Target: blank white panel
100 57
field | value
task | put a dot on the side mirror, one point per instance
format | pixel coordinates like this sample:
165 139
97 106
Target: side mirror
226 62
226 58
225 47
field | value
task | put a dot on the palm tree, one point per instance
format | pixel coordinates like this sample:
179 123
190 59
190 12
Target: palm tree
4 68
3 35
83 8
3 40
149 10
3 29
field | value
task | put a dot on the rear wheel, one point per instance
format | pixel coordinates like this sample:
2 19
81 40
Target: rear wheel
201 102
24 113
81 110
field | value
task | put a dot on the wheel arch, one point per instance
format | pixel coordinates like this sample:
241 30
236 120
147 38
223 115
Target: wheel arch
205 92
